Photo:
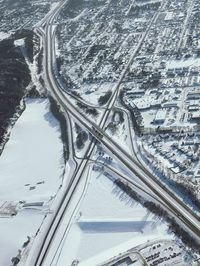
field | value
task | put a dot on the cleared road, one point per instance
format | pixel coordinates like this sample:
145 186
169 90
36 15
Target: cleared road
182 212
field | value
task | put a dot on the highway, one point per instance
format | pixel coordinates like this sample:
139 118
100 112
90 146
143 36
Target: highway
97 131
170 201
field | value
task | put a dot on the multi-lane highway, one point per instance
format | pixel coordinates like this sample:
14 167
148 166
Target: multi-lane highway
175 206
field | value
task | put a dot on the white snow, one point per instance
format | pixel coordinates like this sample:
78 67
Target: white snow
14 232
29 157
122 135
97 91
4 35
106 224
19 42
183 63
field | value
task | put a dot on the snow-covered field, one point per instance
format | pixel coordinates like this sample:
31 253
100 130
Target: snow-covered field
107 223
30 157
14 232
31 167
91 93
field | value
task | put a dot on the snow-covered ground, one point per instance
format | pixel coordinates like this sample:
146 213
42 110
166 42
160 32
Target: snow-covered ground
122 134
33 67
107 223
14 232
30 157
31 167
91 93
183 63
4 35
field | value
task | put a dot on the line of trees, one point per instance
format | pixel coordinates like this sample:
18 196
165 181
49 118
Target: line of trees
105 98
14 78
174 227
55 109
88 110
136 126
